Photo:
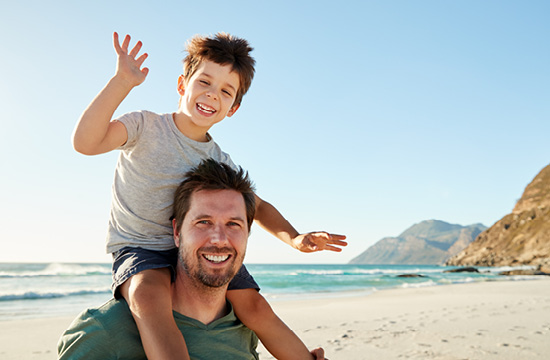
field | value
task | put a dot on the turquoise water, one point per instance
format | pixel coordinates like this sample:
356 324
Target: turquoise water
55 289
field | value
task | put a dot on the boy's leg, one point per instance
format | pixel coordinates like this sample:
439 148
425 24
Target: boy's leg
143 278
256 313
148 294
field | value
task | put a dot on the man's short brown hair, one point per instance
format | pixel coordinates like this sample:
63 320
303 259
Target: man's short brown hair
213 175
223 49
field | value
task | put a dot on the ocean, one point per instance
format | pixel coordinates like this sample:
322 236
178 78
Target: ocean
60 289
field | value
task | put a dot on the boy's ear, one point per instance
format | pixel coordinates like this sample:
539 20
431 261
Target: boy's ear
233 110
181 85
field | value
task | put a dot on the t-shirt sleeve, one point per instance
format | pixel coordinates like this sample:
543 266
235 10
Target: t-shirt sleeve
134 122
84 339
226 159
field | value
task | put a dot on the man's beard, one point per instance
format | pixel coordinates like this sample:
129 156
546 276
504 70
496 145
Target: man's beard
193 266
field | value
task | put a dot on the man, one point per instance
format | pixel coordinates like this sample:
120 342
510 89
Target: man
213 213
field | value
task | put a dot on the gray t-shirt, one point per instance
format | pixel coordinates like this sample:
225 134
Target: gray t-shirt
151 165
109 332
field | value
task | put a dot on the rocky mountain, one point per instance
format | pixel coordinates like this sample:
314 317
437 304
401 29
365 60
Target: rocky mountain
428 242
519 238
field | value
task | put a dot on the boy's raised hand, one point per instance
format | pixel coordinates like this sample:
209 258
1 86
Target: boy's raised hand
319 241
128 66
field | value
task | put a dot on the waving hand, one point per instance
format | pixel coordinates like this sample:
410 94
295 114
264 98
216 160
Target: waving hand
128 66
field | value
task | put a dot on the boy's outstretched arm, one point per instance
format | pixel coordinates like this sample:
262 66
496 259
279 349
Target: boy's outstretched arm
269 218
95 133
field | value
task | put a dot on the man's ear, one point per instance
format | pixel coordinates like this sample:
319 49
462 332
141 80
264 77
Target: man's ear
176 232
233 110
181 85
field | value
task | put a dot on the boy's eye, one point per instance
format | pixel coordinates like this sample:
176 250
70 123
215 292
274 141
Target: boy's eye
203 82
227 92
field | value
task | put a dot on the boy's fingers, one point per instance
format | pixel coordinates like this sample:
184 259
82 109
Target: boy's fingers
338 243
116 43
337 237
136 49
329 236
330 242
141 59
332 248
125 43
338 240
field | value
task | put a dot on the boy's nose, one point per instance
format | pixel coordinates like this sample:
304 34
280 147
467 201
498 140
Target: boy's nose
212 95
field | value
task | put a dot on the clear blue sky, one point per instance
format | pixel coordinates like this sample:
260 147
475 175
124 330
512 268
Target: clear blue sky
364 118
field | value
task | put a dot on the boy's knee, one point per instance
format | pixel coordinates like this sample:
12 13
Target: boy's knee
145 291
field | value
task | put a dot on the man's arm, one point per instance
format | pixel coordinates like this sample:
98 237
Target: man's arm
95 133
270 219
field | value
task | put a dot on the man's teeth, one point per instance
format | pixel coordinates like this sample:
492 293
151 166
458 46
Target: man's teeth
206 108
216 258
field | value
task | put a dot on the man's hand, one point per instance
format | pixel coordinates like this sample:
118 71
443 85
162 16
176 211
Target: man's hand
318 354
128 67
319 241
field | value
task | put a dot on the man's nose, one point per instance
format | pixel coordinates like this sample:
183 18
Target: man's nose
218 235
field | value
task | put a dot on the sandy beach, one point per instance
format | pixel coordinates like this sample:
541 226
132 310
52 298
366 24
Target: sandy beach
489 320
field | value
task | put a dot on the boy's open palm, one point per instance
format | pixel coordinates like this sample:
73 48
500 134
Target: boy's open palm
128 66
319 241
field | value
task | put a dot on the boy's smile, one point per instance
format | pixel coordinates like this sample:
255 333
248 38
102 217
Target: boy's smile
206 99
205 109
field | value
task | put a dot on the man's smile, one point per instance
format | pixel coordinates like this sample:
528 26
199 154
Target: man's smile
217 259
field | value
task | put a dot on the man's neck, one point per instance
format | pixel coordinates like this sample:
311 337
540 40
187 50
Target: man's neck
198 301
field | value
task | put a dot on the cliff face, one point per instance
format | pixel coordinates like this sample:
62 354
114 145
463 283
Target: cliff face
427 243
519 238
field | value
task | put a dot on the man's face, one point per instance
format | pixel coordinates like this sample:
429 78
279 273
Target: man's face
208 96
213 236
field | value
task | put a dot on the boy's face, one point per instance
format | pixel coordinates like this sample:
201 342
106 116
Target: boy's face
207 98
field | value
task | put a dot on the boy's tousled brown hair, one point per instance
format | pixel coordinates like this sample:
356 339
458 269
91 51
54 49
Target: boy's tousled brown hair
223 49
214 175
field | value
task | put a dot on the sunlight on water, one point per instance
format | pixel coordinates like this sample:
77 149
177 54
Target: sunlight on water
38 290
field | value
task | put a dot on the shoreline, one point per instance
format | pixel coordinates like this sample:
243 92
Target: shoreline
479 320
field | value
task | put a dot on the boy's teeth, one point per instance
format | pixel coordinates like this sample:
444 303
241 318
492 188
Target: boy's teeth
216 258
206 108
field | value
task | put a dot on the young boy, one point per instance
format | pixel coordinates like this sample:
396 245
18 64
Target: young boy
156 150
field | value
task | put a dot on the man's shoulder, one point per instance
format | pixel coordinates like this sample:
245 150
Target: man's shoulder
109 308
100 332
109 312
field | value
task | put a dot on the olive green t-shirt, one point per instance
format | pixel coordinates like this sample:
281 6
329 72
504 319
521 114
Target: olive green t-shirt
109 332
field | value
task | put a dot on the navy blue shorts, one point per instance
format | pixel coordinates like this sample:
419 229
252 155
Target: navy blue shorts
129 261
